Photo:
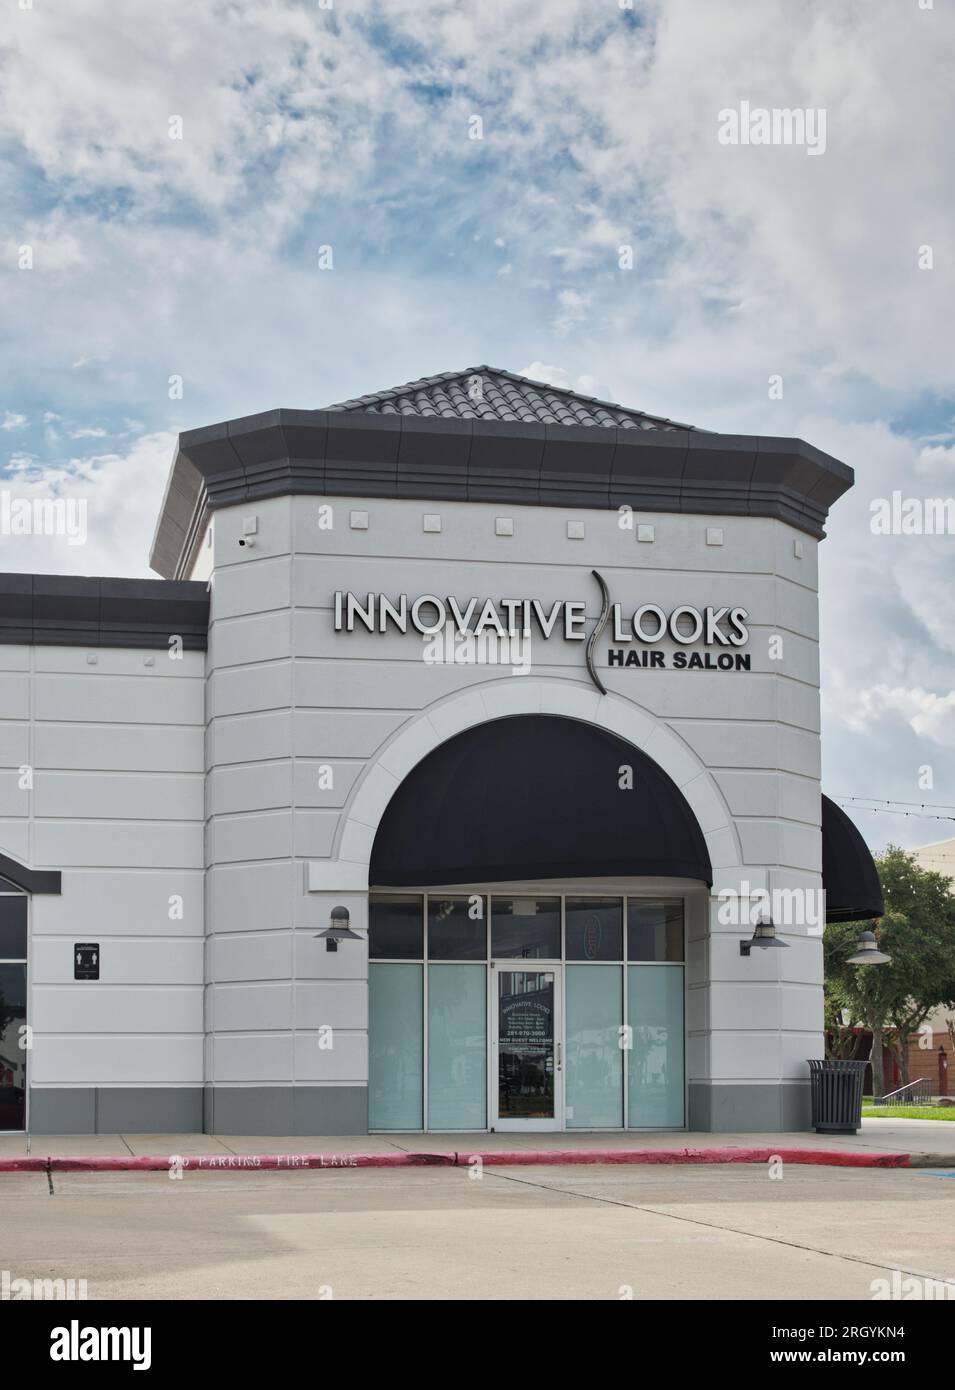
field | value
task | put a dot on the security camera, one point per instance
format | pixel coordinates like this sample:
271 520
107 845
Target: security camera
246 540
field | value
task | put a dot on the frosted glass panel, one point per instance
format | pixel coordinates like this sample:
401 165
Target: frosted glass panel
655 1014
395 1047
457 1047
594 1061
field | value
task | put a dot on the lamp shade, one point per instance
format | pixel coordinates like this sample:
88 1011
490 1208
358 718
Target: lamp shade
867 951
339 930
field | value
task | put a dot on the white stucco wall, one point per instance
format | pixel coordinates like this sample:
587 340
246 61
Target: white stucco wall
148 771
288 696
114 739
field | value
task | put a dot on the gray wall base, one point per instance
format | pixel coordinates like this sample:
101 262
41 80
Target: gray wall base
772 1108
298 1110
253 1110
115 1109
329 1110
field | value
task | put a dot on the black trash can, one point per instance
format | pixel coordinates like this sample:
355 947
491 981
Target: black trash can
836 1089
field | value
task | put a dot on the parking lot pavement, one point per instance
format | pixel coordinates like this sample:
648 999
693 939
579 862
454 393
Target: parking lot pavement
532 1233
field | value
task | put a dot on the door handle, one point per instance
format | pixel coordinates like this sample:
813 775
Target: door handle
558 1057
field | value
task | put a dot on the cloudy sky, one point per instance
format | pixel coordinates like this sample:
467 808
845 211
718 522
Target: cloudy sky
351 124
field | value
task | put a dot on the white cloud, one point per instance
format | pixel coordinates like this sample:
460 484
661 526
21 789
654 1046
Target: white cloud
928 714
303 126
559 376
12 421
122 493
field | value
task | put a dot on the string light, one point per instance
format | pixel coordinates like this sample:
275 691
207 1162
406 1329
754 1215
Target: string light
894 801
887 810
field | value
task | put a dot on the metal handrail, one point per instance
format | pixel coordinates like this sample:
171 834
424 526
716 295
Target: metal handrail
909 1092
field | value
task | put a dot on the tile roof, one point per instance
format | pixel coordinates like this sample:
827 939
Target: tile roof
487 393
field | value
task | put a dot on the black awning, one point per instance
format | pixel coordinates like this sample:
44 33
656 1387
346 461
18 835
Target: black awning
29 880
536 797
849 875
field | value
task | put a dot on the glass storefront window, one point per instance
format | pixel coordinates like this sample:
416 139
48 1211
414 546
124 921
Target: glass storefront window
525 928
457 928
429 1061
654 930
395 927
594 1058
13 1066
655 1061
594 929
457 1047
395 1046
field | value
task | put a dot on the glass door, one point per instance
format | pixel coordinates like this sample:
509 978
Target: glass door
526 1047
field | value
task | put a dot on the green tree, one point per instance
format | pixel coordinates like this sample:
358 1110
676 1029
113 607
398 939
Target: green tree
918 932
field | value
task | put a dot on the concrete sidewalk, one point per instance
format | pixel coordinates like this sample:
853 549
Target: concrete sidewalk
884 1136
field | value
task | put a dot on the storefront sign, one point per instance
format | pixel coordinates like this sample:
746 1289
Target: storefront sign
516 618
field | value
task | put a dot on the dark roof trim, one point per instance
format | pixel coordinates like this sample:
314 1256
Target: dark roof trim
30 880
368 454
849 876
76 611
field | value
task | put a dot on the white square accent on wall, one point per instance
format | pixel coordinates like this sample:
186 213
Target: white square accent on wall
576 530
250 525
504 526
431 521
797 549
714 535
646 532
359 521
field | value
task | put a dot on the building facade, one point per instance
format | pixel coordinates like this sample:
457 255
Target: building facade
522 686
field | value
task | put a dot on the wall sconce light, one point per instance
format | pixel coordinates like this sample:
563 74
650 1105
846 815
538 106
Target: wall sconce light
764 935
338 930
867 951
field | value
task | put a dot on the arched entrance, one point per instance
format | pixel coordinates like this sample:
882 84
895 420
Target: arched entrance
529 882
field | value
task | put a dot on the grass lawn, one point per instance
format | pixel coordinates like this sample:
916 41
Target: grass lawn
909 1112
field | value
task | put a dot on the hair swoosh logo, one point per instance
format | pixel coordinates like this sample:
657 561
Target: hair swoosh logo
598 629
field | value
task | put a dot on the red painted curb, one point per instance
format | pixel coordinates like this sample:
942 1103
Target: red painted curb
835 1158
223 1163
238 1163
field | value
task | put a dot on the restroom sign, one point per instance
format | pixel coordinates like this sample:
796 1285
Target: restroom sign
86 960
